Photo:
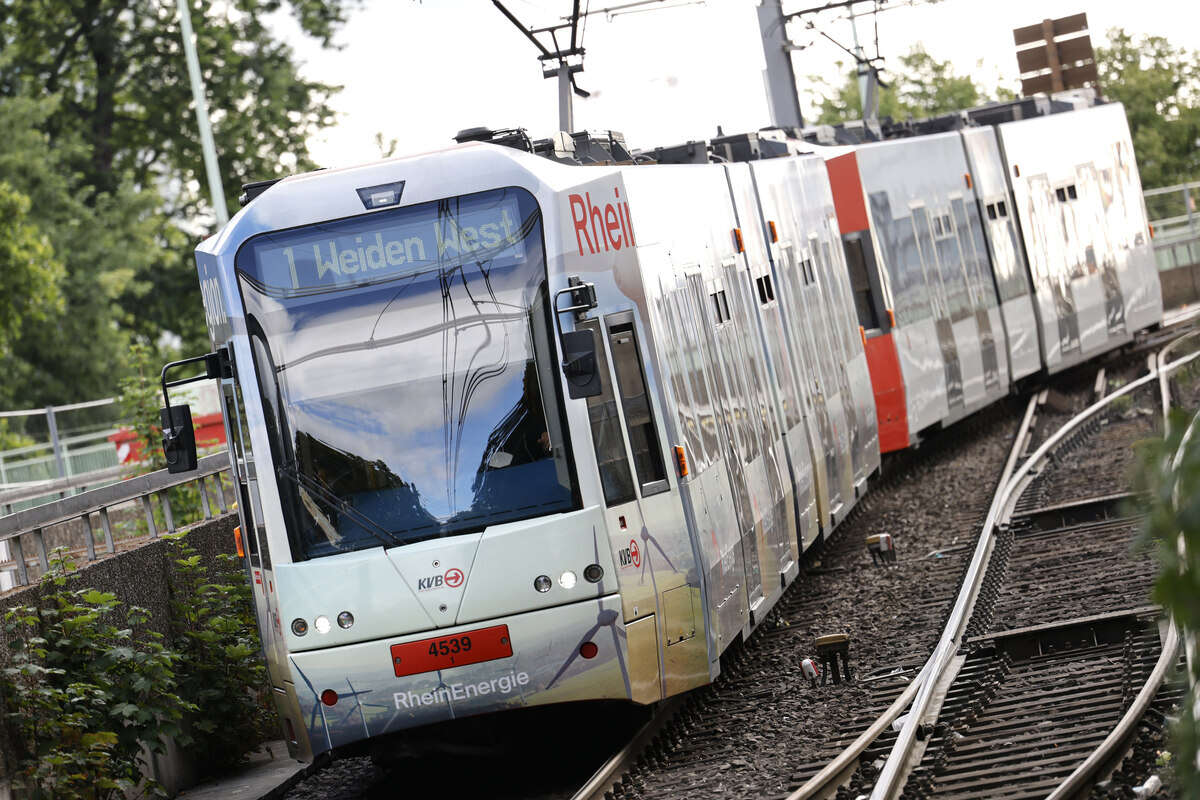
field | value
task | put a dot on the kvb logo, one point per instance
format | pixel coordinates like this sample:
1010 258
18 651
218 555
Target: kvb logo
452 579
630 556
605 226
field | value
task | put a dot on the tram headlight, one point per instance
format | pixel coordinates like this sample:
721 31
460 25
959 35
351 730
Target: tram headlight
542 583
299 626
322 624
567 580
593 573
345 620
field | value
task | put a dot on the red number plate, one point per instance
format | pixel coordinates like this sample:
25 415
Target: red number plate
443 652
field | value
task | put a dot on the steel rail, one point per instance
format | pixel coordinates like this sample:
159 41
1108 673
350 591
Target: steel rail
609 773
894 773
1115 744
842 766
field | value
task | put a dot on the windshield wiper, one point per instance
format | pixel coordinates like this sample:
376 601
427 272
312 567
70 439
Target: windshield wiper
291 472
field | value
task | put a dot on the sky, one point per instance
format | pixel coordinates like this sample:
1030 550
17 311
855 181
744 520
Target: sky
418 71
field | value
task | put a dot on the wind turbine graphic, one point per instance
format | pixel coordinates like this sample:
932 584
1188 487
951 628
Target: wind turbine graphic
317 705
606 618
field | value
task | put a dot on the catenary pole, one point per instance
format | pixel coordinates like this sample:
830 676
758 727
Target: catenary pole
779 77
202 121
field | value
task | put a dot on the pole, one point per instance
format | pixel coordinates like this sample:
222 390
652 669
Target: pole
868 91
779 77
566 113
202 121
56 445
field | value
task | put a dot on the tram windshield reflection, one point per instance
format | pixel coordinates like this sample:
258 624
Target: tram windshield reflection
404 359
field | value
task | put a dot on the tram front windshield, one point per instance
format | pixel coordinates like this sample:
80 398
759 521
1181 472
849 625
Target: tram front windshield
405 363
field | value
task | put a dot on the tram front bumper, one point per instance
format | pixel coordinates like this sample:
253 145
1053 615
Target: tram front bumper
549 664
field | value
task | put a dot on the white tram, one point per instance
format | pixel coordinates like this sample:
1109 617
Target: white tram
453 504
510 432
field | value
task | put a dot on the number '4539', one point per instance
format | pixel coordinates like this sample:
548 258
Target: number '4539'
450 646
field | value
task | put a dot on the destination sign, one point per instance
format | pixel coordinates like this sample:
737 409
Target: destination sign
390 244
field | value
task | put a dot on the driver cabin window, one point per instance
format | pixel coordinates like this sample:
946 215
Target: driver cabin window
615 478
639 417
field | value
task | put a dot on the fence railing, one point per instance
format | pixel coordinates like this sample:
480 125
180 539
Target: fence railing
67 441
1172 208
23 534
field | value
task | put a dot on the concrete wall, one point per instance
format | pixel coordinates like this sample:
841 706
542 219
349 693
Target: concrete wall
1180 286
138 578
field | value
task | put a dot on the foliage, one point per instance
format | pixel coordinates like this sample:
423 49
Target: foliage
140 401
89 685
923 86
86 694
1170 479
1159 85
10 439
213 628
103 242
97 129
31 273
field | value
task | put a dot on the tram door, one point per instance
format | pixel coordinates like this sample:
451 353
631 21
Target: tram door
839 327
939 303
655 554
732 598
742 435
253 530
807 303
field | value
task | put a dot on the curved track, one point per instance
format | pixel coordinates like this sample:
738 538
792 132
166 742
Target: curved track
1052 654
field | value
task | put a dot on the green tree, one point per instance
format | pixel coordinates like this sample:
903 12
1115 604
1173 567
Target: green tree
97 129
140 400
922 86
103 241
29 290
1159 85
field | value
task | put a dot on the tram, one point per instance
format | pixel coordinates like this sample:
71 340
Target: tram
523 423
1016 243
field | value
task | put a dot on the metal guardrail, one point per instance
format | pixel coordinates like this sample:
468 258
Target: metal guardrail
32 523
1181 198
10 496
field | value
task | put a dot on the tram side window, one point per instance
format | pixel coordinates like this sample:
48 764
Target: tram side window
860 283
688 350
766 292
721 305
672 349
611 460
635 400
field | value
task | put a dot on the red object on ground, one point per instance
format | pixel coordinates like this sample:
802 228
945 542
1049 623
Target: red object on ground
210 431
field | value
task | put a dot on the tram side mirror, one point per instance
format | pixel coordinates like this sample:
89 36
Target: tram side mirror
579 364
178 438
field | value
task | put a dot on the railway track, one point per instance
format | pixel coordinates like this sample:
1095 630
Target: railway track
1020 643
1052 656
